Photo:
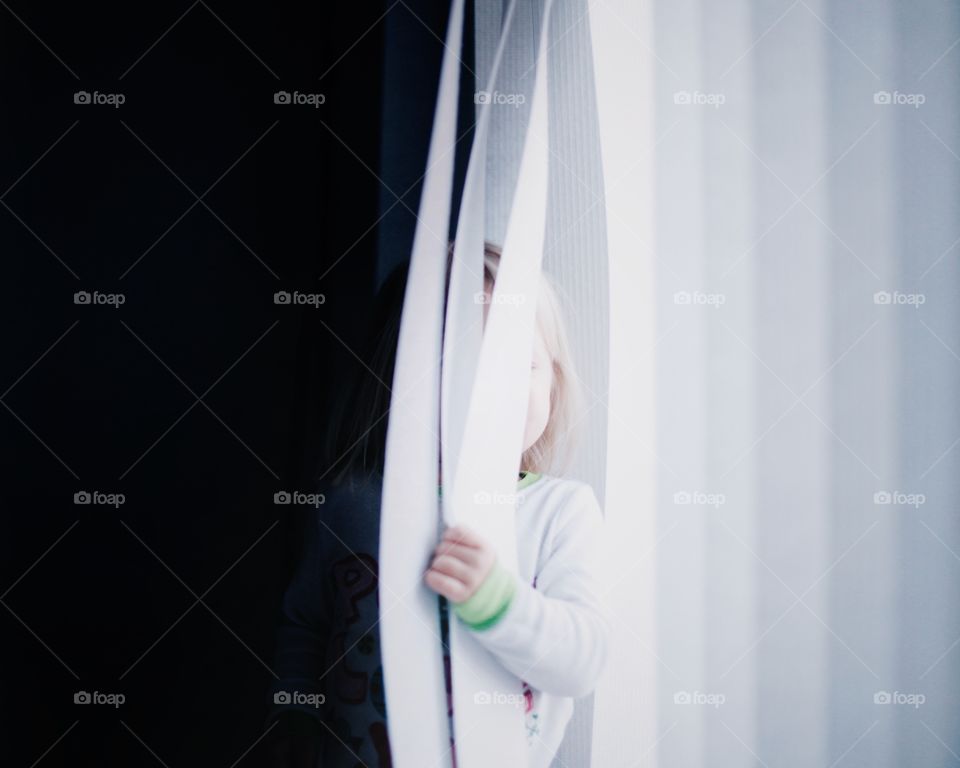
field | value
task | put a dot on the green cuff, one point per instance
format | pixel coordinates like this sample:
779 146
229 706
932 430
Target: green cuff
486 606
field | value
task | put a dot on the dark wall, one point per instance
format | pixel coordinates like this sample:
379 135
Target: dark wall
198 398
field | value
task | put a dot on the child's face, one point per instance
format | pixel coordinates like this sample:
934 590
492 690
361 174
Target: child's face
541 383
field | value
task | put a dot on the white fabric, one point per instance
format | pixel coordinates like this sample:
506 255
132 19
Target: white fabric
463 328
576 230
555 636
625 723
410 646
482 434
488 730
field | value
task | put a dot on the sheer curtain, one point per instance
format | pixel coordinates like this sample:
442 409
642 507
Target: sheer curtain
575 250
778 240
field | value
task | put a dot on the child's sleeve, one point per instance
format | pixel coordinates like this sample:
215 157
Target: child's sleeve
555 636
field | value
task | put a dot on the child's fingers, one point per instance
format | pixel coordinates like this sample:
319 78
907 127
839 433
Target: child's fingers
447 586
466 554
463 535
453 567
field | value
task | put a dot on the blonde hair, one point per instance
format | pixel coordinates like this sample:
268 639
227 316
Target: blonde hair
552 449
356 440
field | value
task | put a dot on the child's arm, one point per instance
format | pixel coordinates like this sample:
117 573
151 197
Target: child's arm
555 636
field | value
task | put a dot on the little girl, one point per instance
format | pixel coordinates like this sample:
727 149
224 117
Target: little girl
548 625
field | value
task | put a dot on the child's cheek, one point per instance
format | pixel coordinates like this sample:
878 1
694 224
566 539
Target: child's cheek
538 409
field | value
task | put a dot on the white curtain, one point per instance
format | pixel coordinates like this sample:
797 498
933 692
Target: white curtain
575 252
777 250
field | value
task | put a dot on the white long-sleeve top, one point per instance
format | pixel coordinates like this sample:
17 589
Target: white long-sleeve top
554 635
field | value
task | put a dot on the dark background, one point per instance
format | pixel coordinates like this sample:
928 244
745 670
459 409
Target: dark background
98 398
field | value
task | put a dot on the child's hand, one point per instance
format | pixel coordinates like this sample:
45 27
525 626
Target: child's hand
461 562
